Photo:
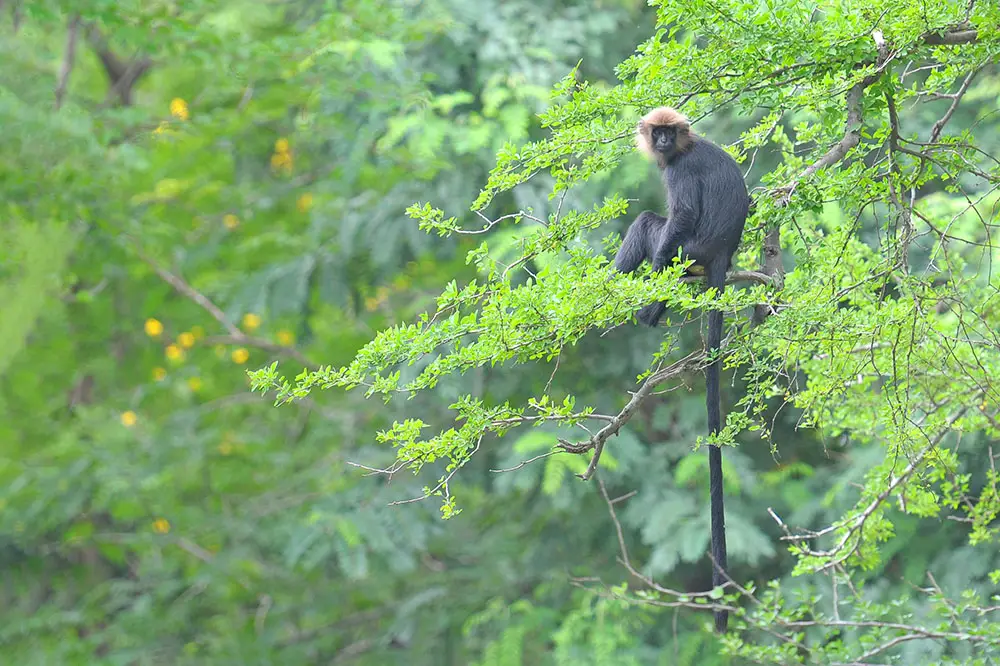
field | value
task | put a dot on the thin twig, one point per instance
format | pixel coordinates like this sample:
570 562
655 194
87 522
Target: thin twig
596 442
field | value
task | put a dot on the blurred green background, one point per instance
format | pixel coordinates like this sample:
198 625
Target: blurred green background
189 190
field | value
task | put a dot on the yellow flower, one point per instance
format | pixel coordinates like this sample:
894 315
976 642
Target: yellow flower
174 353
153 328
371 304
198 332
129 418
231 221
281 145
240 355
194 383
285 337
304 203
251 321
159 374
225 448
282 162
162 128
161 526
179 108
186 340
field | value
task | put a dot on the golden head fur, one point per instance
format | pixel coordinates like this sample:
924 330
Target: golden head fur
663 116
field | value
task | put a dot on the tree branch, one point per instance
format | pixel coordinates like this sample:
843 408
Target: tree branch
960 34
69 58
939 125
596 442
773 264
736 276
123 76
236 336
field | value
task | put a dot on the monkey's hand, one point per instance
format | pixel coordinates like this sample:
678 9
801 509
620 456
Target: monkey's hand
651 314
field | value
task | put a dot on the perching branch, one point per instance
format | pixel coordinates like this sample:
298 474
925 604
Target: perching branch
961 34
736 276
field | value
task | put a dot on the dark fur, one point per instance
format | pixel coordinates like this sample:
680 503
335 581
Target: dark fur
707 206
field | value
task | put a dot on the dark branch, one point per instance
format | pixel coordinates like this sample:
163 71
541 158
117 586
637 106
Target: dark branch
122 75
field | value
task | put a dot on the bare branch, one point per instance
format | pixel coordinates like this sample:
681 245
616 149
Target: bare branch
646 580
939 125
185 289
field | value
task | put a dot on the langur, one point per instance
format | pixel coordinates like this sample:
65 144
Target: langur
707 206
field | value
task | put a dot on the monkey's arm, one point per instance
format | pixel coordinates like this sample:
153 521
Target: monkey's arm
640 241
685 211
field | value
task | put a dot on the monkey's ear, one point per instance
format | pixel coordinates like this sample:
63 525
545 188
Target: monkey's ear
642 139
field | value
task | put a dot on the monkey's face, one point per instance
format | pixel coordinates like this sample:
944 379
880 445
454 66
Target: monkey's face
664 139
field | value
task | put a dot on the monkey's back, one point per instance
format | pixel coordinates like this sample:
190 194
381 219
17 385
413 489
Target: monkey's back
722 196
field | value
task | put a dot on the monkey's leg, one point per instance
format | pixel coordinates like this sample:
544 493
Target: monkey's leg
640 241
665 254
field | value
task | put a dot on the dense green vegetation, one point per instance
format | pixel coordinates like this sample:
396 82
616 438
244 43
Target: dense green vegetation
219 215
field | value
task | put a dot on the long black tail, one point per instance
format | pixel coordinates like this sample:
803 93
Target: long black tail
715 276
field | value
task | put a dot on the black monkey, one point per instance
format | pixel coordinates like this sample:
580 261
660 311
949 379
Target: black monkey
707 206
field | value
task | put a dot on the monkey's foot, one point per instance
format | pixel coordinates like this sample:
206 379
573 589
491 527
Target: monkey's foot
651 314
696 269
